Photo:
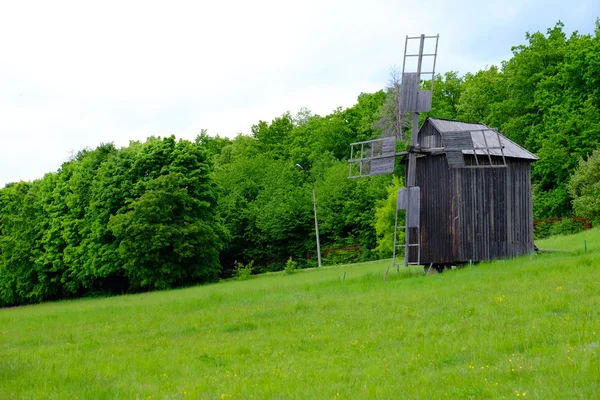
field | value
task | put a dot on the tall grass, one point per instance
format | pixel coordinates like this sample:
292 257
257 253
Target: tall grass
522 328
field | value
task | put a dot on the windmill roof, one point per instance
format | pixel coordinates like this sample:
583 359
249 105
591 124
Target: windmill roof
481 136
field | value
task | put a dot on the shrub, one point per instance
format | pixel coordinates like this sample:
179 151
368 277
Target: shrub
584 187
565 227
243 272
343 255
291 266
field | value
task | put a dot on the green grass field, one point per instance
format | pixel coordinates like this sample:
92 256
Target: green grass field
524 328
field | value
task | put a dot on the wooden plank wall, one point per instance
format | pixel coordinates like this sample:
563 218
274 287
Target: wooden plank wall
474 214
438 186
429 136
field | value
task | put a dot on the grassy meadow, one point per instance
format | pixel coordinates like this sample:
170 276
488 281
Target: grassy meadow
522 328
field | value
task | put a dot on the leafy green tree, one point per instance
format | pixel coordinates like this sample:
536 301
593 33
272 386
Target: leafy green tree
480 95
18 277
570 103
584 187
447 92
77 221
169 234
111 191
267 209
361 117
347 208
241 146
321 137
273 138
213 145
519 115
142 217
385 220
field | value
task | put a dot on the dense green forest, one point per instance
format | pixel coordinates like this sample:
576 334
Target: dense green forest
168 213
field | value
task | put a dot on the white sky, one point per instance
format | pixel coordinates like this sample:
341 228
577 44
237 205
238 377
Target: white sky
74 74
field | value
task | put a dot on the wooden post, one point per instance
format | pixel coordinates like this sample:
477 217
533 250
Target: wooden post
531 254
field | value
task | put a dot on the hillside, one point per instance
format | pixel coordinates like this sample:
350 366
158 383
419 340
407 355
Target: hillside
527 327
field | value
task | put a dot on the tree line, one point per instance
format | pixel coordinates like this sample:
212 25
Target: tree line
168 213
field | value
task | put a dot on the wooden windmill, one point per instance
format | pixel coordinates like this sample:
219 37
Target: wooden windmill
460 199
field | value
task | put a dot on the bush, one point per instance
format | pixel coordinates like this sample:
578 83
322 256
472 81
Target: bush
244 272
343 255
291 266
584 187
566 226
542 230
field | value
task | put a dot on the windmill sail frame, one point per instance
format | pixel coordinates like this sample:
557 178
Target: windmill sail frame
372 157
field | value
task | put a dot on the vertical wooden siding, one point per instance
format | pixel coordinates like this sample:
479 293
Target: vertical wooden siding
474 214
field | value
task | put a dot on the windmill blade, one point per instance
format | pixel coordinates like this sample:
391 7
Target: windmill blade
372 157
413 99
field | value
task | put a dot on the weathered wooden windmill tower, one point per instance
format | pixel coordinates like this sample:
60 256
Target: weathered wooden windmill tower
468 187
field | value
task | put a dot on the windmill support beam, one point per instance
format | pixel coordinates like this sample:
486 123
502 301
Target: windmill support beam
413 100
412 157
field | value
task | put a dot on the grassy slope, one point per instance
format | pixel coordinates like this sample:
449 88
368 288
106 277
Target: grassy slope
575 243
519 328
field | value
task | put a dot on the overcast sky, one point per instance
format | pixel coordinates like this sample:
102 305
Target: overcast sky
74 74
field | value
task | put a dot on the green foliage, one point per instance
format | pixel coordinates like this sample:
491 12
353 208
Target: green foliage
362 116
347 209
291 266
565 226
481 94
447 92
385 220
545 98
584 187
110 220
165 232
213 145
244 272
268 211
345 255
272 138
266 200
